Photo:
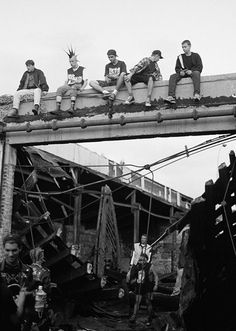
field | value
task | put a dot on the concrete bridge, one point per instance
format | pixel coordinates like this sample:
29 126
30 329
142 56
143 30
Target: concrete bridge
214 114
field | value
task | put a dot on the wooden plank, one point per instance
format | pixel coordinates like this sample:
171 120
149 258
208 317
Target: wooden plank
62 203
77 208
210 211
136 214
227 189
59 256
28 185
173 238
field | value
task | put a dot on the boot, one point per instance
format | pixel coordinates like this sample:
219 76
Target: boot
13 113
58 108
72 108
35 110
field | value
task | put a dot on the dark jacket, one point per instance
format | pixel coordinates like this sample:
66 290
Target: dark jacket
197 63
39 80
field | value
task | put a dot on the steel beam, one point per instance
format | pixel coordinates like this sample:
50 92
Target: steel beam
184 121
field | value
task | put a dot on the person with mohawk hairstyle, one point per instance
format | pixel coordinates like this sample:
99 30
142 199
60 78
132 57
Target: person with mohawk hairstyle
75 82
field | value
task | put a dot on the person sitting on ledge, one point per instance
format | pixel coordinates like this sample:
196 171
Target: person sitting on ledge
75 83
188 64
146 71
33 82
114 76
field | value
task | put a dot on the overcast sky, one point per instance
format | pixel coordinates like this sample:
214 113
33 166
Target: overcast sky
42 30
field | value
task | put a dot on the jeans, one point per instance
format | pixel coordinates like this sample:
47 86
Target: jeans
65 88
36 92
175 78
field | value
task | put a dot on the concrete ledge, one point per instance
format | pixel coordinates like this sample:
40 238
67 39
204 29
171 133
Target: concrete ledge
211 86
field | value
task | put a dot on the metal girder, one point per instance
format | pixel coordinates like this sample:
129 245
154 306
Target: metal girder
157 123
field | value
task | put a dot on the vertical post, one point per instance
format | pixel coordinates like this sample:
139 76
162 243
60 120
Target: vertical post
173 239
7 168
77 210
136 213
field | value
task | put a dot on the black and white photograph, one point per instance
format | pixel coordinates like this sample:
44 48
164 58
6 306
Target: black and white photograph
117 165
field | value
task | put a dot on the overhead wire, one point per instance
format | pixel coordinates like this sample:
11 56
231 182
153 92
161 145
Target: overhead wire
194 150
191 151
158 168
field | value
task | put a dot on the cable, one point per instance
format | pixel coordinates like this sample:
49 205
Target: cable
193 150
88 165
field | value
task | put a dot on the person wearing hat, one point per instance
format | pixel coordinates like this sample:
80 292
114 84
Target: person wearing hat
75 83
146 71
33 82
188 64
115 71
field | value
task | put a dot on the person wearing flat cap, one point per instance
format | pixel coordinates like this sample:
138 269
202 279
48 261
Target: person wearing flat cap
146 71
115 71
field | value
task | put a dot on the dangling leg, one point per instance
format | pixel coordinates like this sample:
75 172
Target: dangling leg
60 92
37 98
73 95
149 91
149 308
136 307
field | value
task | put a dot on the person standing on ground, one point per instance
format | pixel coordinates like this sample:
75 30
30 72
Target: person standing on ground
16 275
143 280
115 71
188 64
146 71
75 83
33 82
139 248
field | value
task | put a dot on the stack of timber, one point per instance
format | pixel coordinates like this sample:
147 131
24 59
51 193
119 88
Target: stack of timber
34 215
208 285
107 247
40 232
43 183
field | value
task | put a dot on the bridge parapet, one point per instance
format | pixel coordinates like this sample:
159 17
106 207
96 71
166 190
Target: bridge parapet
214 114
211 86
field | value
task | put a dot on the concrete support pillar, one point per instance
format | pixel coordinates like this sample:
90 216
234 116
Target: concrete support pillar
7 170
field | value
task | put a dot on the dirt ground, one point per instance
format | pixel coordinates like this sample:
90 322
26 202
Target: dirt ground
122 324
116 319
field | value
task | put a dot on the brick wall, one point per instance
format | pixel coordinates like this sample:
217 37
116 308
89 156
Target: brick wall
7 186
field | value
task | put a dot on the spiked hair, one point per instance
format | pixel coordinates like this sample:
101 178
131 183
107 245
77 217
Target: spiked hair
70 52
